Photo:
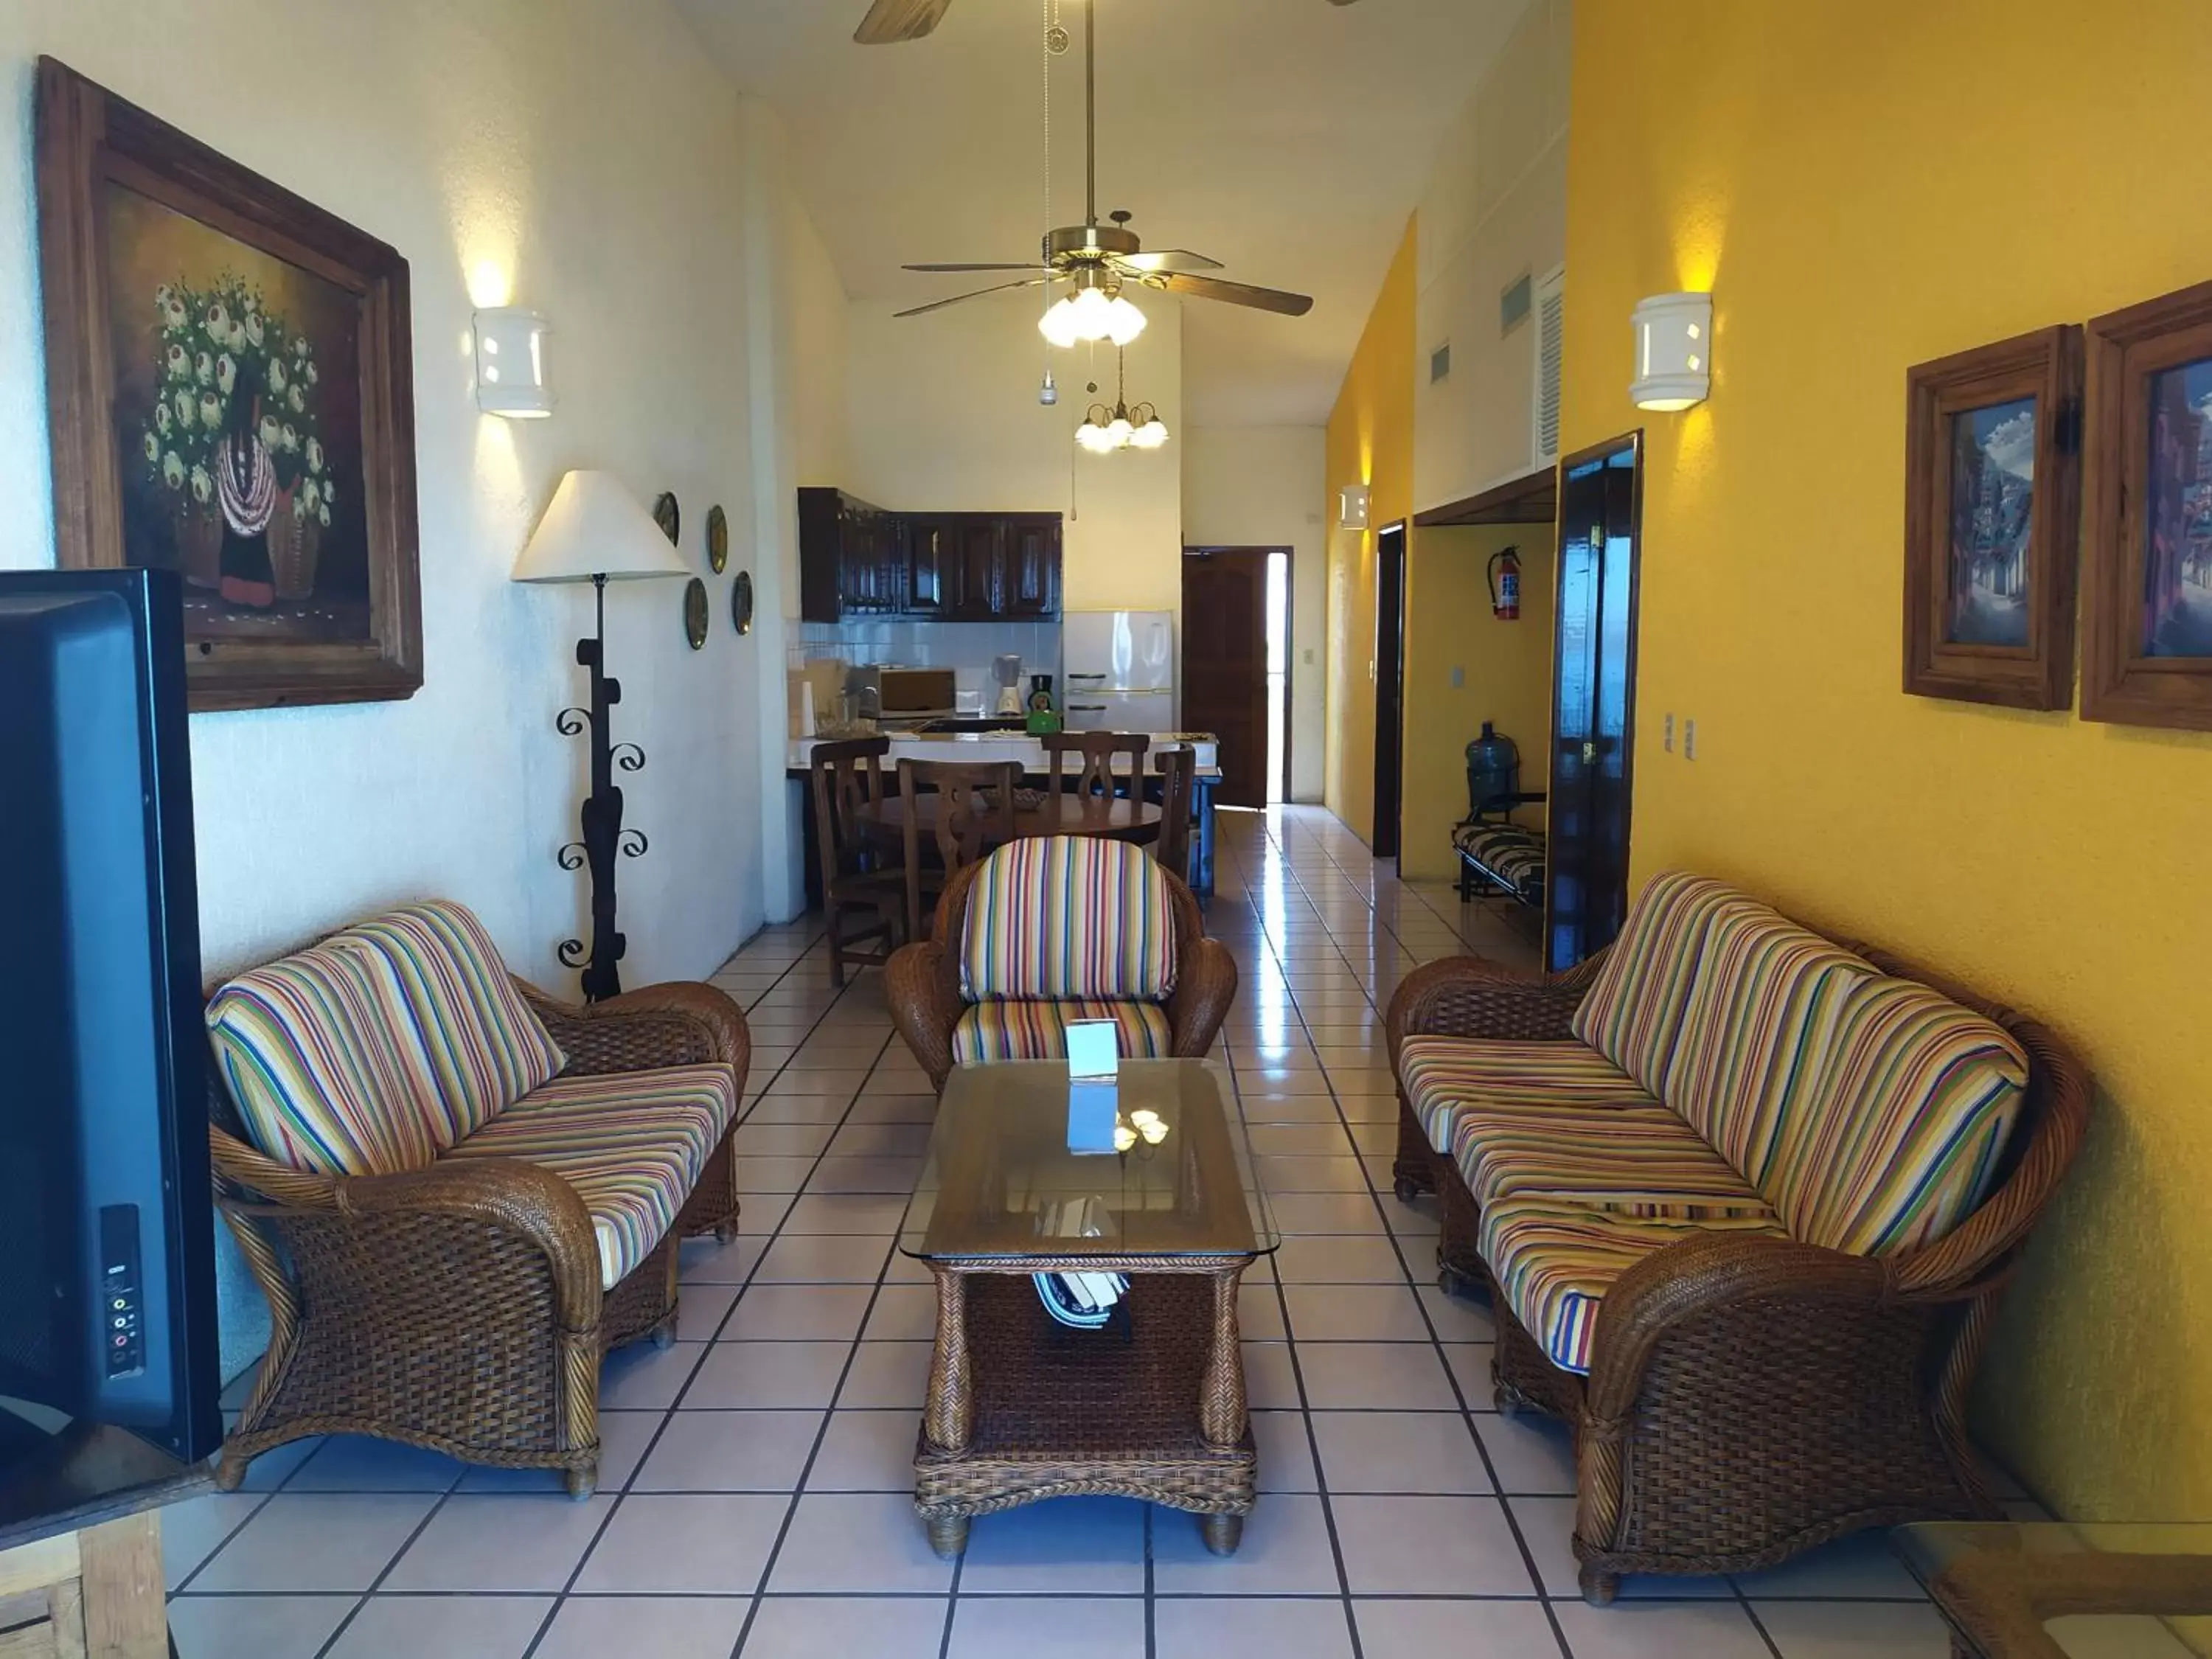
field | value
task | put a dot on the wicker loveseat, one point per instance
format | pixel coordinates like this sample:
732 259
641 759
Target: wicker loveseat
457 1193
1743 1199
1050 929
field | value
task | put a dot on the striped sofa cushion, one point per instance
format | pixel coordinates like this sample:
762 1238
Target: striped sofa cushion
380 1047
632 1143
1629 1160
1632 1013
1069 916
1911 1114
1756 1030
1441 1075
991 1032
1554 1260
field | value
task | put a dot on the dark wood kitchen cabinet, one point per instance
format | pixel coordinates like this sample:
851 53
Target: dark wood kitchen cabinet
933 563
1030 566
851 558
856 560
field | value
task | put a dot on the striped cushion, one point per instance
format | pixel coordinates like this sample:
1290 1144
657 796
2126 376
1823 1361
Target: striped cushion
376 1049
1553 1259
1441 1075
1633 1011
1912 1112
1630 1160
1069 916
992 1031
632 1143
1509 855
1756 1030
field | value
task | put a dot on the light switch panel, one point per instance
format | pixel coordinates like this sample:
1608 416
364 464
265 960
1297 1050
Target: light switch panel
1666 733
1458 676
1689 739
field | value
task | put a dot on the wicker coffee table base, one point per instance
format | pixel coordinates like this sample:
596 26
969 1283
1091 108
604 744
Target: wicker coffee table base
1022 1408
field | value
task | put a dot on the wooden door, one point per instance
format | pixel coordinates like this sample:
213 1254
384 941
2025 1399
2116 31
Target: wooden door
1030 587
1224 663
1594 700
1389 688
932 572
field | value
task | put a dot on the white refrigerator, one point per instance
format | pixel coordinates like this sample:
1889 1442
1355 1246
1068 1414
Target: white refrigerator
1120 667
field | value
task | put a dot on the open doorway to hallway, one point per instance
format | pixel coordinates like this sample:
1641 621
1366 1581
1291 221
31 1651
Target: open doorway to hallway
1236 665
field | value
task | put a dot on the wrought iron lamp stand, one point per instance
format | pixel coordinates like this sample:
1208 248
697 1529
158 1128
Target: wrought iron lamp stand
604 838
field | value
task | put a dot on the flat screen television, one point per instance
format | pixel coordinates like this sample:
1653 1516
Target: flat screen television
108 1372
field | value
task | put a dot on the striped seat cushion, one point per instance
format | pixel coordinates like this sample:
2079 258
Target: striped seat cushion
1511 854
1441 1075
990 1032
1554 1260
632 1143
1631 1160
1069 916
1757 1028
1633 1011
1910 1118
379 1048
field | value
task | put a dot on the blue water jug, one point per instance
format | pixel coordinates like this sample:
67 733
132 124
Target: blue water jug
1493 769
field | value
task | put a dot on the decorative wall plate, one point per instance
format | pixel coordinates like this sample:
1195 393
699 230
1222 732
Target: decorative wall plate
741 602
695 613
667 514
718 539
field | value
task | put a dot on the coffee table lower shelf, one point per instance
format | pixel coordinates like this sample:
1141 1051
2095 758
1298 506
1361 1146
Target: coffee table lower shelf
1054 1412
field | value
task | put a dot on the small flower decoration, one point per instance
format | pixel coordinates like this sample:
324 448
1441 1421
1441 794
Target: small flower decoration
297 397
153 449
218 320
313 374
186 409
272 435
311 494
210 410
324 515
177 362
203 486
291 438
315 454
226 373
256 330
277 379
163 421
204 367
173 469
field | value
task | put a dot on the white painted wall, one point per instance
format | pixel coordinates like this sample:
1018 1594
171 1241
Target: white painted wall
587 160
1262 486
1494 210
944 415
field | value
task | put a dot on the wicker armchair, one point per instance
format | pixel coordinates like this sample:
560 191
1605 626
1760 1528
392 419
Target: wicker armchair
458 1307
1750 1397
923 981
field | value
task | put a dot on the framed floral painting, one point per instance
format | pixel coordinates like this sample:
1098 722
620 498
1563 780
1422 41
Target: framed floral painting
230 388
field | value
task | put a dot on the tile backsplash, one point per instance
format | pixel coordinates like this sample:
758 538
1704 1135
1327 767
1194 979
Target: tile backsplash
967 648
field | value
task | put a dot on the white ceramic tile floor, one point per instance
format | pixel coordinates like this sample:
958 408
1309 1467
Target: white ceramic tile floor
755 1501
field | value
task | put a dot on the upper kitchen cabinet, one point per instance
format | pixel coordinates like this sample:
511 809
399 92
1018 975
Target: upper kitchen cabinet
1030 566
858 560
851 558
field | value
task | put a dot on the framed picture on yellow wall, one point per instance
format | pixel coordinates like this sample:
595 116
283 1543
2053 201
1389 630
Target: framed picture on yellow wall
1992 480
2147 643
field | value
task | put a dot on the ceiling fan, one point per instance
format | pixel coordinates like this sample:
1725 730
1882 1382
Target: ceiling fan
1096 260
890 21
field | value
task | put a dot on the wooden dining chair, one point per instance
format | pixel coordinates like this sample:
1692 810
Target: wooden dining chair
974 812
1178 768
859 882
1096 778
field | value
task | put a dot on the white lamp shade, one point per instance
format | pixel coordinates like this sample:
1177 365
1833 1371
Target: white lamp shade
1674 351
595 527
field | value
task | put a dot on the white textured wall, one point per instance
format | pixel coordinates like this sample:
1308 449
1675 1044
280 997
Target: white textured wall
1262 486
587 160
1496 208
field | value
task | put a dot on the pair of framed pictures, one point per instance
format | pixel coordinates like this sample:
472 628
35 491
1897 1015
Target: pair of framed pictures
2002 443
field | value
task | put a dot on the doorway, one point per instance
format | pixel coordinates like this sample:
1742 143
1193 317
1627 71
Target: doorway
1594 698
1389 689
1236 665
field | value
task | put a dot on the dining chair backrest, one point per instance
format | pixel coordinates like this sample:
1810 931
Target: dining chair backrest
848 778
1178 767
975 813
1098 750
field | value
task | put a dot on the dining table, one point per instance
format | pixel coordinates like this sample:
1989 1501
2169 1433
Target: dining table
1036 812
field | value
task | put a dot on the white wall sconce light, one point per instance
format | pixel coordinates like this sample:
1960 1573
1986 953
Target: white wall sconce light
1352 507
1674 351
511 364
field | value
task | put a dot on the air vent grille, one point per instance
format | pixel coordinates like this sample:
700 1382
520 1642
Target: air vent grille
1440 363
1513 301
1551 340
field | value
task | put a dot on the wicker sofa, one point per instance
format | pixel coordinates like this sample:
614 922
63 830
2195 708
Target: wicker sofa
1743 1199
1049 929
457 1193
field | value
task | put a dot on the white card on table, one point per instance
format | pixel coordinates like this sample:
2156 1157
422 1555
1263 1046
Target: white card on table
1094 1048
1093 1107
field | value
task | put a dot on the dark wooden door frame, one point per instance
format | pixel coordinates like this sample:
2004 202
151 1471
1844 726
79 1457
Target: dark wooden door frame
1632 442
1201 549
1387 838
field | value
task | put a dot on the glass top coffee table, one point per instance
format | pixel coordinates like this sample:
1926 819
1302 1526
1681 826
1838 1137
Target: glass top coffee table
1152 1405
2066 1590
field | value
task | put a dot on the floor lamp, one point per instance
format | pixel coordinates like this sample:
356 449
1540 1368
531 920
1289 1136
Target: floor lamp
595 531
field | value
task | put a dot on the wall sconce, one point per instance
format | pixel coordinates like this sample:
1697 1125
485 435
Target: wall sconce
511 364
1352 507
1674 351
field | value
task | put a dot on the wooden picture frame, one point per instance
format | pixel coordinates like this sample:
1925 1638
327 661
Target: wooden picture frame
2147 641
1990 549
249 419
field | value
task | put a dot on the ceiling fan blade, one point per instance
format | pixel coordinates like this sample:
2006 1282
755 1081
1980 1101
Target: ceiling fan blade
1166 259
975 294
1236 294
890 21
1026 264
1340 2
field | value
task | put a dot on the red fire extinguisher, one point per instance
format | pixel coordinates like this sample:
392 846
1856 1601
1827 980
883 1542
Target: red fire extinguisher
1505 585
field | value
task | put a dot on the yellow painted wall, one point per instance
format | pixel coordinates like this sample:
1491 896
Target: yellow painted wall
1505 677
1370 441
1865 185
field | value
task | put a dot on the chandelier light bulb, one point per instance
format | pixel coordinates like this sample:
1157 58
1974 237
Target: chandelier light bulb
1093 314
1150 435
1059 324
1124 322
1120 431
